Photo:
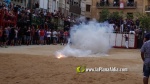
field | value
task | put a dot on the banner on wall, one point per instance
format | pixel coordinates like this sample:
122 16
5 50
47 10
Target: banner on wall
121 5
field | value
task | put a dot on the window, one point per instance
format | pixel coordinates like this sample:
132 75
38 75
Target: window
88 8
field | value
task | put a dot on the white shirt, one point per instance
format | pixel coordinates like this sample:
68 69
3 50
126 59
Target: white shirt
16 33
54 34
48 34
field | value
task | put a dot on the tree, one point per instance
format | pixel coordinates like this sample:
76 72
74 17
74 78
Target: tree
130 16
144 21
104 15
116 15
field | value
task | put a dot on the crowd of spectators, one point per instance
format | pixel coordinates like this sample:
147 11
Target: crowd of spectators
125 26
34 27
15 36
39 27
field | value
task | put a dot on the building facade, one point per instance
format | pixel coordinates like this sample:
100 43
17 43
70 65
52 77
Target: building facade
64 7
86 8
53 5
147 6
49 5
126 6
22 3
75 8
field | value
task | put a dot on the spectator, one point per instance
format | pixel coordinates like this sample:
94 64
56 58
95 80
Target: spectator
32 34
28 36
16 37
58 36
42 34
45 36
62 37
115 3
7 33
54 34
132 30
36 37
20 36
48 38
137 23
24 35
121 25
66 34
5 38
12 36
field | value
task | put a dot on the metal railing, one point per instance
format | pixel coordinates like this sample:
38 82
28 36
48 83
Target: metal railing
117 5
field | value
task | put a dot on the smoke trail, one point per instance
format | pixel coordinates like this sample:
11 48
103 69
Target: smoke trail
87 39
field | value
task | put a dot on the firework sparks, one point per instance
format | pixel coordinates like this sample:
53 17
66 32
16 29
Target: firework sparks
60 55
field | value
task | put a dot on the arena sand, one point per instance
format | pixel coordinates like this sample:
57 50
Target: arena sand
38 65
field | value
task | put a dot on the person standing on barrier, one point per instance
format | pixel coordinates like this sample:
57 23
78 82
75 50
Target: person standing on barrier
126 41
145 55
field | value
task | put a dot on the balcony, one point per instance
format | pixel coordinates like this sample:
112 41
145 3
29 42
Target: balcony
147 8
130 5
75 9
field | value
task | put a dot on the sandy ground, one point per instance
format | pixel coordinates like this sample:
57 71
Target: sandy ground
38 65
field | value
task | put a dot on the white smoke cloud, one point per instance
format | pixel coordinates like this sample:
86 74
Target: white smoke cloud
88 39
